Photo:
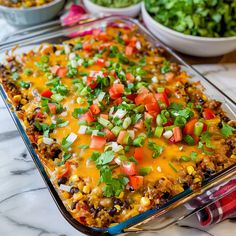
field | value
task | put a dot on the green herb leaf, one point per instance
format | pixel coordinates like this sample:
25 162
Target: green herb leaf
157 150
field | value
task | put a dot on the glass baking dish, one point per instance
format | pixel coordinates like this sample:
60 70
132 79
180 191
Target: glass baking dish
182 205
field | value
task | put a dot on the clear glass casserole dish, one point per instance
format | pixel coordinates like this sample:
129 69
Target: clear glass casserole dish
179 207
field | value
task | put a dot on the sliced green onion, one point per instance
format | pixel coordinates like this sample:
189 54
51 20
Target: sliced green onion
116 130
139 141
159 120
44 59
28 72
24 84
127 139
185 158
173 167
189 140
198 127
158 131
145 170
139 108
105 123
84 91
57 97
160 90
127 122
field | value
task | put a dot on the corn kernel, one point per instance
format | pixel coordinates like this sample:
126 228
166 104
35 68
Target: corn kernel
17 98
74 178
190 170
23 101
121 195
145 202
118 208
196 180
40 140
86 189
233 156
77 196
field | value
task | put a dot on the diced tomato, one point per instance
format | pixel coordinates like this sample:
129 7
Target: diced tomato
118 101
95 109
139 125
128 51
129 77
39 115
208 114
131 96
100 62
136 181
109 135
133 42
62 72
177 134
52 107
139 154
125 38
168 123
91 81
105 74
66 171
116 91
204 127
172 139
153 107
128 168
189 127
167 91
54 69
163 98
87 46
46 93
103 36
144 98
104 116
97 142
88 117
196 138
121 137
96 32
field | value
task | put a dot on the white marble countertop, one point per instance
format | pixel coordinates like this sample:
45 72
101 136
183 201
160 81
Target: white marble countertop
26 207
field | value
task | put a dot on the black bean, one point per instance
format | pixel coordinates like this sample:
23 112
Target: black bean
185 186
166 195
112 211
126 204
225 119
220 125
74 190
62 180
186 85
201 101
18 107
117 201
131 189
73 205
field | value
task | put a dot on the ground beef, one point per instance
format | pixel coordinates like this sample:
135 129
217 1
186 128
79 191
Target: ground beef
51 151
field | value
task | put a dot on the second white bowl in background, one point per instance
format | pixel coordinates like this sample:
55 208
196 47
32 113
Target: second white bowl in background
131 11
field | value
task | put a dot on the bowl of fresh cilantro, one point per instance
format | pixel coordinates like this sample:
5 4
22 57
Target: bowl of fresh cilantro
114 7
203 28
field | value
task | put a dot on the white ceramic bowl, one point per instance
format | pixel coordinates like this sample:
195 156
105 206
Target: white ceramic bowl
131 11
23 17
191 45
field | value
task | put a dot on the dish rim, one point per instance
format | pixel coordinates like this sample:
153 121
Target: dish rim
117 229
